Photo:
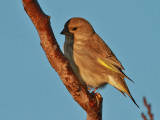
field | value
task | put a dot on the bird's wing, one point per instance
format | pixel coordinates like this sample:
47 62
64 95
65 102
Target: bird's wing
105 53
110 57
106 56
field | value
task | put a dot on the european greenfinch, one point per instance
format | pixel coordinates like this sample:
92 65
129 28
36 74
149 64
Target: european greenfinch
91 59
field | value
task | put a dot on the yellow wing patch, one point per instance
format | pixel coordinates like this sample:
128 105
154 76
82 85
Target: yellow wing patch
105 65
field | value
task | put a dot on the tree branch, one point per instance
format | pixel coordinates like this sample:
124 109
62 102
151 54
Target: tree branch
91 103
148 106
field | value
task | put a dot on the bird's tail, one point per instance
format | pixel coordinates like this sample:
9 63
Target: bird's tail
121 85
129 94
126 90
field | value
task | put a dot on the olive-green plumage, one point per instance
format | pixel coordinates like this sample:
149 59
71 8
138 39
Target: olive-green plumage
90 58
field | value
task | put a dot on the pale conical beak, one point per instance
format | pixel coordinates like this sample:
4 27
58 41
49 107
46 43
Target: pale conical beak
65 31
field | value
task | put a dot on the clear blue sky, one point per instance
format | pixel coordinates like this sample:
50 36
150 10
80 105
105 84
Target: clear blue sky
31 90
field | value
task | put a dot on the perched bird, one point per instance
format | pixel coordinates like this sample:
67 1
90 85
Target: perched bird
91 59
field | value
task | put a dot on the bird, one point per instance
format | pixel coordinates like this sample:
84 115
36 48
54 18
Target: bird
91 59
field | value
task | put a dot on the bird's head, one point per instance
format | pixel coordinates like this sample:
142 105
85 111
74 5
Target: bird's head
77 27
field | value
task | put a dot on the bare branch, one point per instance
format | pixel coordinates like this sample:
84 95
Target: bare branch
144 117
148 106
91 103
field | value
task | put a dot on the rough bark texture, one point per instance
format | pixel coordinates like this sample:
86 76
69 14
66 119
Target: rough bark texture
90 102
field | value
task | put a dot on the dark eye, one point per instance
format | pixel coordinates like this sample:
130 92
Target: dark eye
74 29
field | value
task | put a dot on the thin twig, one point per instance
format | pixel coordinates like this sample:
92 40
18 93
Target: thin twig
143 116
148 106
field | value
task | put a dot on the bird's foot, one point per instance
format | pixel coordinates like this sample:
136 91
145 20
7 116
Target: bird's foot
95 90
88 88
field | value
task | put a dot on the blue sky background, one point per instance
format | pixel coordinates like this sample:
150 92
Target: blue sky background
31 90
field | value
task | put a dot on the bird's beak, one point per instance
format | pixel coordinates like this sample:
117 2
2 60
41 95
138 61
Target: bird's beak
65 31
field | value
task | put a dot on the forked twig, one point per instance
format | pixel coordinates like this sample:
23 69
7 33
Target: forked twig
148 106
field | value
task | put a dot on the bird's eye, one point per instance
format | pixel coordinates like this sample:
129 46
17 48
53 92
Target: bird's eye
74 29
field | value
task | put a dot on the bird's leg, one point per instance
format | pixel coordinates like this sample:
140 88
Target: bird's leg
95 90
88 88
